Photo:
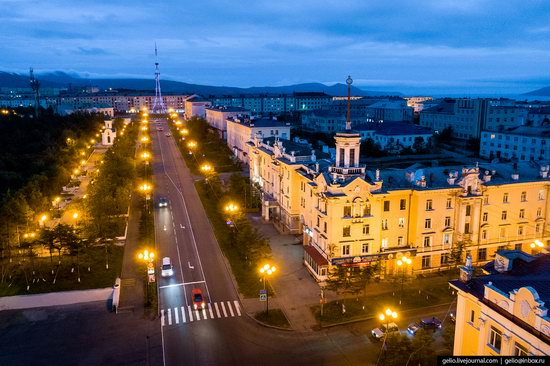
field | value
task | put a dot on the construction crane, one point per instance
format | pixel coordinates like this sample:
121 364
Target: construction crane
35 85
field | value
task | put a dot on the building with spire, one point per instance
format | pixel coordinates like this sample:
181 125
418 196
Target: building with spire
351 215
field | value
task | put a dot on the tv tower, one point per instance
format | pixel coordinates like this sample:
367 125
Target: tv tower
158 103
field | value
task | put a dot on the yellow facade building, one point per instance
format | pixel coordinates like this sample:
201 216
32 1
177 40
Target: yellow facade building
504 313
350 215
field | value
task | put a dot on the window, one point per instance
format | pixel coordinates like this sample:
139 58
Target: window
427 241
402 204
522 213
318 221
504 215
505 198
345 249
523 196
366 209
520 350
537 228
384 242
346 231
429 205
495 338
484 234
399 241
446 238
541 195
482 254
467 228
468 210
517 246
486 200
347 211
447 221
386 206
485 216
520 230
401 222
449 203
472 316
385 224
444 259
502 232
428 224
325 227
352 157
426 261
539 212
366 229
365 248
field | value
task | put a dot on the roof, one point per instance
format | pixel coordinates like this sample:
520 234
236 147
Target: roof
298 148
446 106
524 131
394 104
259 122
401 128
315 255
223 108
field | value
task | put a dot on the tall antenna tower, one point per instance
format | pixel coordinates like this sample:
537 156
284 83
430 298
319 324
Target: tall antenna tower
35 85
158 103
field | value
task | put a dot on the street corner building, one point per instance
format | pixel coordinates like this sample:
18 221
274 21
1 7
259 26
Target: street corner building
435 215
504 312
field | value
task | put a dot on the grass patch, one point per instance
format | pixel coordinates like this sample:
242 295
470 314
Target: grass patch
42 281
363 307
275 317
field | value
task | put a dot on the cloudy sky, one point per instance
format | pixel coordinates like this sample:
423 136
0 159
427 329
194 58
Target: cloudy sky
421 46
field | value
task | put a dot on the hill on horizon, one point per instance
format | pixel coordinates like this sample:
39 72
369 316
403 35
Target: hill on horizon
63 80
542 92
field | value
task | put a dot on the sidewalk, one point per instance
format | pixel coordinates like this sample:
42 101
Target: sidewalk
55 299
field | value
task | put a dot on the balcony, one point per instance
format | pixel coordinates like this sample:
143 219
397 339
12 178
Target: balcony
347 171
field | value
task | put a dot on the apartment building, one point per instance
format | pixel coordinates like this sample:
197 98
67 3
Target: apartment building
195 106
523 143
351 216
504 313
217 117
274 103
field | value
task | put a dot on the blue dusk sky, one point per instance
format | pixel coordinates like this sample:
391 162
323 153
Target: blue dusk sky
421 46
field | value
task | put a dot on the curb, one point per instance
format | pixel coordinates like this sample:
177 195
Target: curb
268 325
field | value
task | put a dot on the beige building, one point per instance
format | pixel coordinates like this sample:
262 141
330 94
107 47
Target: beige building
196 106
351 216
217 117
504 313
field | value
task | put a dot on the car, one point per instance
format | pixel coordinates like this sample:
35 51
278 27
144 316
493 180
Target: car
163 202
167 270
432 323
168 135
198 299
379 333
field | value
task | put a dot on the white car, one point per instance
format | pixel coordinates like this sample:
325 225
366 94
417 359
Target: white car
379 333
166 270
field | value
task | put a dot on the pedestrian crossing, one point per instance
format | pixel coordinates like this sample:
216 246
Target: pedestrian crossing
186 314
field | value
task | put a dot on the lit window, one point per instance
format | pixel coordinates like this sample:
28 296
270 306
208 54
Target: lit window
401 222
384 242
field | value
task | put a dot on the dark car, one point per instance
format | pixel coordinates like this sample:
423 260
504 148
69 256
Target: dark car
432 323
163 202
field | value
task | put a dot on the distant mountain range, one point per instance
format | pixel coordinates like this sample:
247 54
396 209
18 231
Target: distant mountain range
63 80
543 92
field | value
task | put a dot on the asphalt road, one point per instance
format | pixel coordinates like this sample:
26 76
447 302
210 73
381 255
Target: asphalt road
222 334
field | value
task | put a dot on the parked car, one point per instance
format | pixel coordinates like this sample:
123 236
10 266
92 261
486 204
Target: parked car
198 300
432 323
378 333
163 202
452 318
167 270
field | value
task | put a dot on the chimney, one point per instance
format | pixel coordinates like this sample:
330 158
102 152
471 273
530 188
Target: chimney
451 180
467 270
377 177
515 176
544 171
409 176
487 177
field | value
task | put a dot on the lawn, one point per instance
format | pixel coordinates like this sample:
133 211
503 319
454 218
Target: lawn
67 273
364 307
275 317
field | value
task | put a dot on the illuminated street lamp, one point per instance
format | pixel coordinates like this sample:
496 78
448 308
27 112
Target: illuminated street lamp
56 201
75 215
206 168
536 246
144 128
403 262
145 187
147 257
144 139
184 131
387 316
192 144
267 271
231 208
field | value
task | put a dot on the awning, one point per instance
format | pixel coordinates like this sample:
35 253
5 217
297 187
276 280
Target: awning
315 255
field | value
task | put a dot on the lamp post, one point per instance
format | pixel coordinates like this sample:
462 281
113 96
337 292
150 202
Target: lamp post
387 316
536 246
147 257
403 262
266 271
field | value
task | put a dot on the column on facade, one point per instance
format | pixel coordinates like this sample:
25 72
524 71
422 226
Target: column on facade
475 222
461 218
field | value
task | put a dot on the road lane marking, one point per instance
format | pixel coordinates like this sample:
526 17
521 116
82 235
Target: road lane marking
169 316
183 315
190 313
192 283
190 266
223 309
237 306
197 314
172 285
162 318
182 227
204 313
210 311
230 308
217 309
176 315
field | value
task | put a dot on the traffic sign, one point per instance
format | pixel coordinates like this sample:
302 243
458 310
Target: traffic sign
263 297
263 292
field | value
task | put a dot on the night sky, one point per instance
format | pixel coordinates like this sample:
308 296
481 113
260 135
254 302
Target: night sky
432 46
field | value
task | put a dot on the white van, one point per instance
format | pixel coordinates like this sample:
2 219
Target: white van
166 270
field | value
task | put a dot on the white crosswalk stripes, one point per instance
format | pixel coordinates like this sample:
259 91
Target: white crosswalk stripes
181 315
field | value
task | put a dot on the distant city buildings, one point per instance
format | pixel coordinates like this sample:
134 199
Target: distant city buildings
195 106
521 143
217 117
417 103
504 313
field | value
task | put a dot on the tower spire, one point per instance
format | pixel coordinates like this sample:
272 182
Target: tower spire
349 81
158 103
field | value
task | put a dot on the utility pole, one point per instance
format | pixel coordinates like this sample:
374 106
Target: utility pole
35 85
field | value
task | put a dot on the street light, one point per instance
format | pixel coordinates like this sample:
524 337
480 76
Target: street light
231 208
206 168
191 144
43 219
144 139
145 187
387 316
403 262
536 246
75 215
145 155
147 257
266 271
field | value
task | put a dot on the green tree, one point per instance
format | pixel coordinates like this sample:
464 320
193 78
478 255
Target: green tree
396 350
449 337
422 349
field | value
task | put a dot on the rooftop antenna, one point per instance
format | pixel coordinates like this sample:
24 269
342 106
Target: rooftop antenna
35 85
158 103
349 81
